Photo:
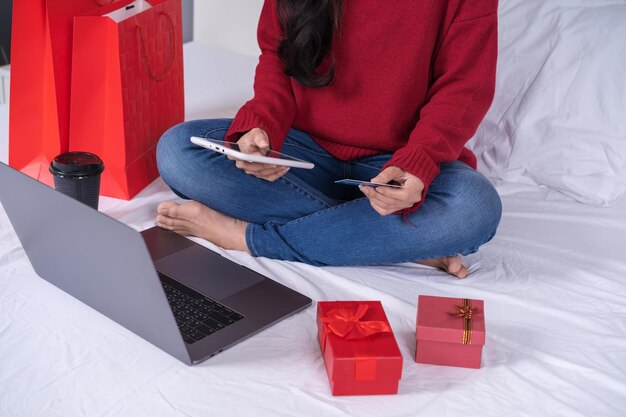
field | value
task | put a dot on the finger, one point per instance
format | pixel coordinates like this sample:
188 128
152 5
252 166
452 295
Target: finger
408 194
405 199
386 199
245 143
264 172
366 189
380 199
242 165
276 176
256 166
398 194
388 208
260 139
268 172
380 210
253 166
280 171
255 141
387 175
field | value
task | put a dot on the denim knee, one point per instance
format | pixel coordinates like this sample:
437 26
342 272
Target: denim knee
177 156
463 213
169 153
491 209
482 211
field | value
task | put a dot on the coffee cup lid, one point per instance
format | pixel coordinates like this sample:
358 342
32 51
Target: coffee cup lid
76 164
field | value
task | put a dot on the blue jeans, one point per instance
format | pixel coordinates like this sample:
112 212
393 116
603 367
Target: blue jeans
304 216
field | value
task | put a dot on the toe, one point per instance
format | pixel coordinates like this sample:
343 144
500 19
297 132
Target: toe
186 211
453 263
454 266
177 230
165 207
166 221
175 225
463 272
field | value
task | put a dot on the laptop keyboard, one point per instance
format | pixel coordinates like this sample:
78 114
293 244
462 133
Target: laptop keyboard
197 316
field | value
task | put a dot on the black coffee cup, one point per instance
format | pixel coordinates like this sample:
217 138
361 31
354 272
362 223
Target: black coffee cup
77 174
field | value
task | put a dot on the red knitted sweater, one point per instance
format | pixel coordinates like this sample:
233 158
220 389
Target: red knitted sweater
413 78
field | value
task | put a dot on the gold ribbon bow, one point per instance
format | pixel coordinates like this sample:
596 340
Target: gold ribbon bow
465 312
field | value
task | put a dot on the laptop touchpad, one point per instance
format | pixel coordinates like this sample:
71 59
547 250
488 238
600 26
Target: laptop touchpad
207 272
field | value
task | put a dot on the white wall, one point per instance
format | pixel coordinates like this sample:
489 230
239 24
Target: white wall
228 24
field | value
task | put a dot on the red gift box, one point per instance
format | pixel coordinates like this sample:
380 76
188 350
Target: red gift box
359 349
450 331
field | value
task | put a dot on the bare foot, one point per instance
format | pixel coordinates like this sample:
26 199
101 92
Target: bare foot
195 219
451 264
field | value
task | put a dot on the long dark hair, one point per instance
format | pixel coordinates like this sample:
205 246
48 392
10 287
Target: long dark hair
309 27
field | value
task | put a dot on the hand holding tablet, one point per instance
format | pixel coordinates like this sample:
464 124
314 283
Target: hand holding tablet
233 150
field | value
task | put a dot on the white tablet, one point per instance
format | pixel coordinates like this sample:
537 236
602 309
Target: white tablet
232 149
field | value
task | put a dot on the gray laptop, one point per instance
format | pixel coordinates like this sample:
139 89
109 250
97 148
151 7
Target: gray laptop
180 296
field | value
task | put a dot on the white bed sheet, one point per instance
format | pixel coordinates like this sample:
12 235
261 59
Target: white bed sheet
553 281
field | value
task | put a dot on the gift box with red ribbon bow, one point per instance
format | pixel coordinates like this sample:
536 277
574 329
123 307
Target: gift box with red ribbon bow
359 349
450 331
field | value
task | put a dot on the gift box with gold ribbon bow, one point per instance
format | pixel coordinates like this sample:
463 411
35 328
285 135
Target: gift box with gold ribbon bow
450 331
359 349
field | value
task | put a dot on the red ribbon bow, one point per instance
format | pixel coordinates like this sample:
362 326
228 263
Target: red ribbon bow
347 323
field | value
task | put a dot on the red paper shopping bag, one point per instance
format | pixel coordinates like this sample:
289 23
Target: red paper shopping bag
127 89
41 44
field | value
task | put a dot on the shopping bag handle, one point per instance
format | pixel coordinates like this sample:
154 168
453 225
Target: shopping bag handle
146 55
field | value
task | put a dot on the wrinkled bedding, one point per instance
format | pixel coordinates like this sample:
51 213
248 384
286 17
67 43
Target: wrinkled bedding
553 280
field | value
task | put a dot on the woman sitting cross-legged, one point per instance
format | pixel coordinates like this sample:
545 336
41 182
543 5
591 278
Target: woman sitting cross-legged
370 90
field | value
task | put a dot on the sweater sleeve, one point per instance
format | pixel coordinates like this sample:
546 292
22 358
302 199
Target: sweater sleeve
273 106
460 93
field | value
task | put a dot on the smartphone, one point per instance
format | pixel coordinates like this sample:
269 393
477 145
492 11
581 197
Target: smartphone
348 181
232 149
